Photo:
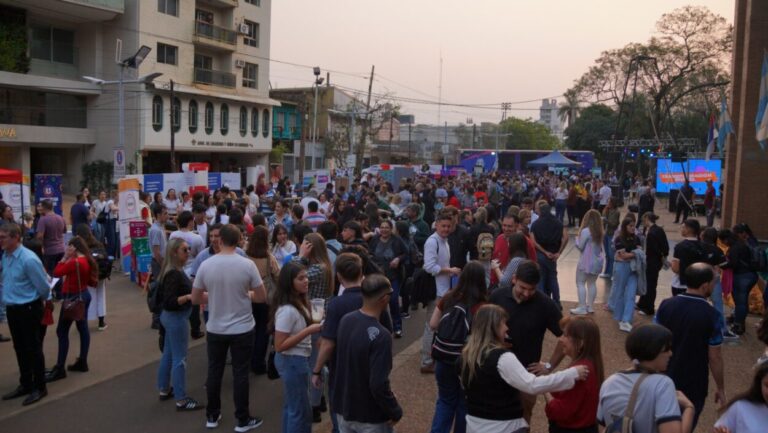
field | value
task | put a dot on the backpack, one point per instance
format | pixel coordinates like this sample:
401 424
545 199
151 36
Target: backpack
485 245
154 298
758 262
415 257
104 262
451 334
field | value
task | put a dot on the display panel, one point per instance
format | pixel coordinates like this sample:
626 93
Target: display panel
669 175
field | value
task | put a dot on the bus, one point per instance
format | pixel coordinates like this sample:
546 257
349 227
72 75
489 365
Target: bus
484 160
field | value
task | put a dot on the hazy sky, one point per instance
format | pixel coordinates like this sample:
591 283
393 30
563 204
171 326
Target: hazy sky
493 50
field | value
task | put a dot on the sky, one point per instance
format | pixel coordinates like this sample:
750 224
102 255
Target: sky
492 51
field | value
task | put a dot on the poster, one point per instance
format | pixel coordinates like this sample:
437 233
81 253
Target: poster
12 195
48 187
140 246
128 202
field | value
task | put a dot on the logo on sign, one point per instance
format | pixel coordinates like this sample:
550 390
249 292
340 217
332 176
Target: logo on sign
15 197
130 205
119 157
48 191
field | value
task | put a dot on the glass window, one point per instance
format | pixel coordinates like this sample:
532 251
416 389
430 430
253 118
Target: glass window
208 118
52 44
203 62
157 113
243 121
254 122
169 7
308 163
224 119
319 163
176 114
167 54
254 2
251 76
29 107
252 37
193 116
265 123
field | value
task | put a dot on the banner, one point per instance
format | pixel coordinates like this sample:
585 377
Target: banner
48 187
12 196
162 182
128 203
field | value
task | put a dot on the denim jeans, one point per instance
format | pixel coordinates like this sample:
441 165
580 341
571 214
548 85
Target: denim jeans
394 305
260 337
361 427
294 371
742 284
451 407
609 254
240 347
717 301
548 284
62 331
173 363
559 209
623 292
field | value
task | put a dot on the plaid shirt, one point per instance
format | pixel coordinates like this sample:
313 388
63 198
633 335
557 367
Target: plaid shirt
317 284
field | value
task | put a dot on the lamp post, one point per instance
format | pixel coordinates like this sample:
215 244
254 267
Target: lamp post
118 170
318 82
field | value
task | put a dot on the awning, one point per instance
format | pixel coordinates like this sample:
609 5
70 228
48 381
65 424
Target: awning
554 159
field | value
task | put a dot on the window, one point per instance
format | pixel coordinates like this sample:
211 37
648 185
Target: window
243 121
54 45
251 76
224 119
292 123
252 37
254 122
31 107
167 54
308 162
169 7
203 62
203 16
265 124
176 114
208 118
280 122
254 2
193 116
319 163
157 113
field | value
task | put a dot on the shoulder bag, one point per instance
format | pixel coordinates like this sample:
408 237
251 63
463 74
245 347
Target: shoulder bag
625 423
74 308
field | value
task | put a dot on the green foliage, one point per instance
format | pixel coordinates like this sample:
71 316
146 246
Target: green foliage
13 41
597 122
276 154
527 134
97 175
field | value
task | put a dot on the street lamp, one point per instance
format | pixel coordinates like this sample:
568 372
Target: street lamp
118 170
318 82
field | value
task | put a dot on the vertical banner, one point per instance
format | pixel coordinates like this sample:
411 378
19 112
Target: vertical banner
128 203
48 187
140 251
17 197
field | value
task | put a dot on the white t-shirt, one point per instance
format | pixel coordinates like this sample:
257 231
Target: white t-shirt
745 417
605 195
229 303
171 205
290 321
561 193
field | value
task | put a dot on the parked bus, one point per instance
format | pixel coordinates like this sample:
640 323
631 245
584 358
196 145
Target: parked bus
484 160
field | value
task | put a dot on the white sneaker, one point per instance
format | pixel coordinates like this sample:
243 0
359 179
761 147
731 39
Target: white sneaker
590 310
625 326
579 311
605 276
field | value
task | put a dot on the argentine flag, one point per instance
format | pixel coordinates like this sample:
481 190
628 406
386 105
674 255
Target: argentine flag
724 126
761 121
711 137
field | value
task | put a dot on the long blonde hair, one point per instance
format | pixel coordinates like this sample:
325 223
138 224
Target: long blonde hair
171 260
319 255
594 222
481 340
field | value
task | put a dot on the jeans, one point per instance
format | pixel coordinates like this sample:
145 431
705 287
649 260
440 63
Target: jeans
260 337
294 371
742 284
571 214
240 347
451 407
609 254
62 331
394 305
173 363
24 323
361 427
113 238
717 301
586 285
647 302
548 284
559 209
428 336
623 292
710 213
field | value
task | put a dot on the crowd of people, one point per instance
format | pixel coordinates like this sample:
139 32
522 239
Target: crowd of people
317 285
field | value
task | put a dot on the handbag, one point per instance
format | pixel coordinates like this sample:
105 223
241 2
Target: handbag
47 313
272 373
74 308
625 423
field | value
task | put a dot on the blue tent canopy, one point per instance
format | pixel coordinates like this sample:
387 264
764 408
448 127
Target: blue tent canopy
554 159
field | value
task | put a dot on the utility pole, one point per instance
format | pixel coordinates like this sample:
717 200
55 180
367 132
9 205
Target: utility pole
391 133
445 145
302 107
361 146
409 142
173 131
474 135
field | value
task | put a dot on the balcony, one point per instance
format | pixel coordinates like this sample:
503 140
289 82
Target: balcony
214 78
215 37
220 3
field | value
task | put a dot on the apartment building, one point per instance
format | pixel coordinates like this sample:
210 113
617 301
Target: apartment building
216 52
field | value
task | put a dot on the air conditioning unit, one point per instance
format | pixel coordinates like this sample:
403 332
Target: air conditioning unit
239 63
245 29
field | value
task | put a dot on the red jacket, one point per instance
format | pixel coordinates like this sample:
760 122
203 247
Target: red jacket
577 407
501 253
68 271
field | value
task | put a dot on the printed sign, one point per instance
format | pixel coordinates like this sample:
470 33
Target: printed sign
48 187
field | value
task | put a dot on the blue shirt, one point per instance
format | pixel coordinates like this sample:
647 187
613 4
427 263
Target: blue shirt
79 215
287 222
24 278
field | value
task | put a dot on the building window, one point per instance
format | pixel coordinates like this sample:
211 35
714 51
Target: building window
167 54
31 107
251 76
243 121
169 7
157 113
203 62
208 118
280 122
176 114
224 119
204 16
292 123
265 123
254 122
193 116
254 2
319 163
308 163
252 37
54 45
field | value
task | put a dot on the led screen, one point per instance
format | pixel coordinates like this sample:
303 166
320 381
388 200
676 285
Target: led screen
669 175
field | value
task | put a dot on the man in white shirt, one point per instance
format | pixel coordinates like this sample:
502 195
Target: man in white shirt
185 222
604 193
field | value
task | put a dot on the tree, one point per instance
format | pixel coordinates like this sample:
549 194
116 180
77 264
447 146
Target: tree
688 57
526 134
569 109
597 122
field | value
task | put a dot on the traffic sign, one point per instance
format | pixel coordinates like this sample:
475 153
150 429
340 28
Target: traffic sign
119 164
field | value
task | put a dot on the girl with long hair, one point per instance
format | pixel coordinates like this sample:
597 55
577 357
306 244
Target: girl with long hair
493 377
282 247
747 412
98 305
612 218
293 328
389 252
589 242
76 268
649 347
518 253
281 216
176 295
172 202
269 269
575 410
624 287
471 292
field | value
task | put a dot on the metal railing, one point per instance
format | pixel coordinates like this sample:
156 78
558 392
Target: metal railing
215 33
216 78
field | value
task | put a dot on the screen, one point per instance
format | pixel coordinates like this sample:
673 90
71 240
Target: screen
669 175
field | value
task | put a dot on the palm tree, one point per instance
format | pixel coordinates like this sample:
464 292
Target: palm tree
569 109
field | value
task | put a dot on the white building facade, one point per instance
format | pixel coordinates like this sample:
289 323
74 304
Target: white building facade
549 116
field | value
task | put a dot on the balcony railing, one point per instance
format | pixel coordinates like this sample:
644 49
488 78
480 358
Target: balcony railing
216 78
218 34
